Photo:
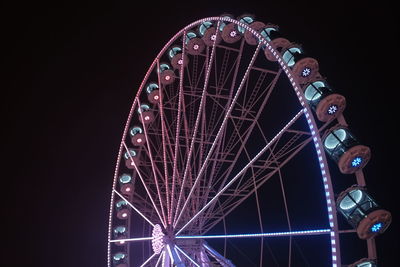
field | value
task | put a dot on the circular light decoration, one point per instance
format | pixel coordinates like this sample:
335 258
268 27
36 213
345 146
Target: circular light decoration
356 162
306 72
349 203
233 33
158 239
332 109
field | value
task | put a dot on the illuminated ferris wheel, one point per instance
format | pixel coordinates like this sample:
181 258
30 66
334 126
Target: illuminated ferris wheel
236 153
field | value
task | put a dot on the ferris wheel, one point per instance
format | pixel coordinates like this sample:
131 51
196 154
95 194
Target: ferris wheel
236 153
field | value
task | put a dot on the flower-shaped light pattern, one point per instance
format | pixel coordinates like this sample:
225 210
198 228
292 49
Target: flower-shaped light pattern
356 162
332 109
306 72
376 227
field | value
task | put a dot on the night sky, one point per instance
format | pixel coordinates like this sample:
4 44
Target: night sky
72 71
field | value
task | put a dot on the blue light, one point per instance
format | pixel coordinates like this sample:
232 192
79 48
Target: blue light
356 162
332 109
306 72
376 227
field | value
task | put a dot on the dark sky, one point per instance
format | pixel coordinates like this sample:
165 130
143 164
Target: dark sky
71 72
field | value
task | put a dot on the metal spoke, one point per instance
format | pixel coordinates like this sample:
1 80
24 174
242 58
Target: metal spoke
164 221
163 139
132 239
134 208
144 184
195 130
148 260
187 256
277 234
219 132
178 126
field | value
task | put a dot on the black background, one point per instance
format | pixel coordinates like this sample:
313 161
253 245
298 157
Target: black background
72 71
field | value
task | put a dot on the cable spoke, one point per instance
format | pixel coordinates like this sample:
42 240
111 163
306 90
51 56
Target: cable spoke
267 146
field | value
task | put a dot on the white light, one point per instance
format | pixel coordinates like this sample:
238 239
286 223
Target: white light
156 97
146 118
139 140
167 77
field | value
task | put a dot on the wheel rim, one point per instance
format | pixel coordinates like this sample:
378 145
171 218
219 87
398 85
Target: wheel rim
173 167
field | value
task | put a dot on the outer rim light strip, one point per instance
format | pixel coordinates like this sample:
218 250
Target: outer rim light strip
277 234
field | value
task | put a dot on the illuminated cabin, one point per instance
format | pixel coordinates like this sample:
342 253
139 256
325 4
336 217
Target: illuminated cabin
125 183
250 38
120 259
255 25
208 33
153 93
323 100
145 113
271 33
364 263
175 57
131 158
362 212
137 136
304 68
342 147
230 33
245 19
194 44
120 232
122 209
167 75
